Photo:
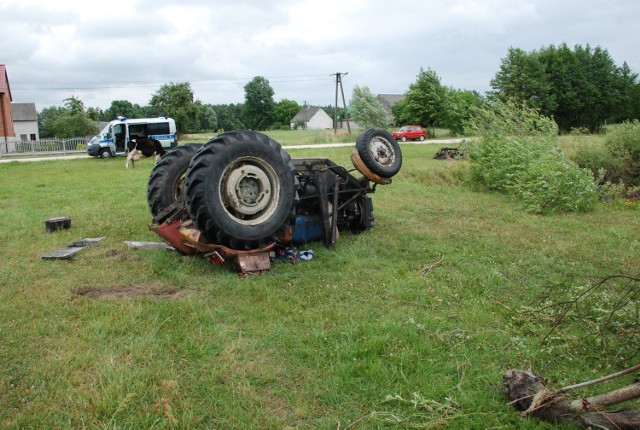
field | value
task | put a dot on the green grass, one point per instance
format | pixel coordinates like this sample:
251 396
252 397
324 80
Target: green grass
289 137
306 137
570 144
427 306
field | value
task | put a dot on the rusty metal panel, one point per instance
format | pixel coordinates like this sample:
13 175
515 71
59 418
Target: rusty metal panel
67 252
245 263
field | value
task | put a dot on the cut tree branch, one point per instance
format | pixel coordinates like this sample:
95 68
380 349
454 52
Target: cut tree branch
529 394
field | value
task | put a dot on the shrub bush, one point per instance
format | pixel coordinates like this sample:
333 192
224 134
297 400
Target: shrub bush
518 154
596 156
623 144
618 154
550 184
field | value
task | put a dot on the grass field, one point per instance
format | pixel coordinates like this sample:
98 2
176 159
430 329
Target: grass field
306 137
409 325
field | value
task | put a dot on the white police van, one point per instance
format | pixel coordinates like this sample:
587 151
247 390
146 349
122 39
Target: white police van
113 139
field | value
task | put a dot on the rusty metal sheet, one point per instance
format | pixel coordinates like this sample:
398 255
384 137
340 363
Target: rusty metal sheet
69 251
148 245
245 263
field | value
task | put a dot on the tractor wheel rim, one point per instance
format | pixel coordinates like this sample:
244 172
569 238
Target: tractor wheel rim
382 151
249 190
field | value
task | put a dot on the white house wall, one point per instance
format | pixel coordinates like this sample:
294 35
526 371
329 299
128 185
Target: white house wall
320 121
26 128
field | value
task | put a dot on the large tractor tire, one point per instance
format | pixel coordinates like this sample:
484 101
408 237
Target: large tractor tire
380 152
241 190
166 182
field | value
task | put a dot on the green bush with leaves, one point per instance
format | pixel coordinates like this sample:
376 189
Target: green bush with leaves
550 184
595 156
614 161
518 154
623 143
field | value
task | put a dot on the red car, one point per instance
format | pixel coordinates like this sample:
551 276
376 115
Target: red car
412 132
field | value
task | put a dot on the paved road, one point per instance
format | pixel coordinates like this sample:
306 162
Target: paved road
320 145
27 159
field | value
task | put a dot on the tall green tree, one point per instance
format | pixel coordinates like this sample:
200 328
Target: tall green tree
365 110
566 81
284 111
229 117
123 108
47 120
459 107
624 90
66 122
522 76
177 101
95 113
635 101
259 107
208 118
579 87
425 102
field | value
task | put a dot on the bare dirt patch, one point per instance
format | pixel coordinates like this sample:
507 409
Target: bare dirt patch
153 291
121 255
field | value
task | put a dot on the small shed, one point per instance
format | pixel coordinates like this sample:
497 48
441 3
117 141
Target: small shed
312 118
25 121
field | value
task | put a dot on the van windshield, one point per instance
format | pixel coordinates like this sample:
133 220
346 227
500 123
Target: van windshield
105 132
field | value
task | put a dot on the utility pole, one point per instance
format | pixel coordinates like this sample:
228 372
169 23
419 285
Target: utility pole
339 76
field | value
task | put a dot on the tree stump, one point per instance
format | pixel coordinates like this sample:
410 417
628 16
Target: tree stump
529 394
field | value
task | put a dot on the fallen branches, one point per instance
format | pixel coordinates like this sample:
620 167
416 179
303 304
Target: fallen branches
529 394
430 266
630 295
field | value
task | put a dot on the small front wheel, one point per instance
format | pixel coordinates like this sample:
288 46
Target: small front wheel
105 153
380 152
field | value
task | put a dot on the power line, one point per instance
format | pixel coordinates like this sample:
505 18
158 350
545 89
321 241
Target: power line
222 82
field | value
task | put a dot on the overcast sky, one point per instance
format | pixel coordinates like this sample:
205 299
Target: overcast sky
125 50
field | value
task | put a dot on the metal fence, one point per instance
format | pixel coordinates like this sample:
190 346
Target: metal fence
54 146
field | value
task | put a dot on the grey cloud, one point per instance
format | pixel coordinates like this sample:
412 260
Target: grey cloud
381 44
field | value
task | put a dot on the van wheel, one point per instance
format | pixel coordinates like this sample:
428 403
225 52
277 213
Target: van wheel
241 190
380 152
166 182
105 153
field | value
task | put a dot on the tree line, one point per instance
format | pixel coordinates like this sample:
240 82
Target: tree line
579 88
177 100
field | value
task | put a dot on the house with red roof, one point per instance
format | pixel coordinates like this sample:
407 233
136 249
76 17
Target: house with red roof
6 118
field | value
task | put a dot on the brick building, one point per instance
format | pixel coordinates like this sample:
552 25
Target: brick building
6 119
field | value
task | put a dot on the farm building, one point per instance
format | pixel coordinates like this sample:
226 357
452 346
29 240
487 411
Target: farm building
25 121
311 118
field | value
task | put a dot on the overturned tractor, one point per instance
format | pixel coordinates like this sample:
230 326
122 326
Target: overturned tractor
240 194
